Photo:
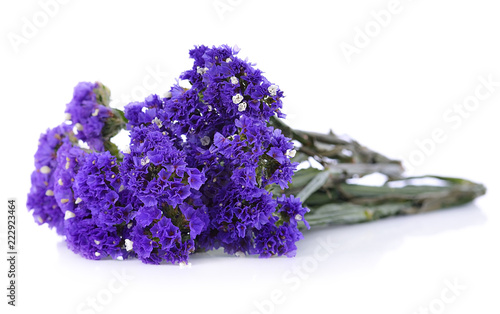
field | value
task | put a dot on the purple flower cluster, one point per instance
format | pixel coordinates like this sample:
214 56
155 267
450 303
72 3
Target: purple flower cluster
95 226
170 214
197 175
88 113
41 196
79 194
224 117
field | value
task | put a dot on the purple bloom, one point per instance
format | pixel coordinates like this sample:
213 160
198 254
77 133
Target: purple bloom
156 172
224 117
95 123
277 154
196 178
68 159
84 237
293 210
272 240
198 174
87 115
102 208
41 196
143 245
147 214
168 234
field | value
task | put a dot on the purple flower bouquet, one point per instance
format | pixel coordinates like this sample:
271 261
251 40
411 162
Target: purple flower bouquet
208 167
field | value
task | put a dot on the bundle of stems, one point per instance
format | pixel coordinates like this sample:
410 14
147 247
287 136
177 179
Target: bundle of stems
333 198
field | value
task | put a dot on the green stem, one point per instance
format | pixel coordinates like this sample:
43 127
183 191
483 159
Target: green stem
332 200
361 203
113 125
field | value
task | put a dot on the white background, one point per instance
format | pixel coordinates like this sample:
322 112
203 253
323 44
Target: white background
395 92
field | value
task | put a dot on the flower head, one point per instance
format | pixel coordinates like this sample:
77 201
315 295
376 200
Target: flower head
89 113
197 175
156 172
96 227
230 104
43 182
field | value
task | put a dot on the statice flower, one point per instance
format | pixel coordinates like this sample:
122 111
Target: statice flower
41 196
243 206
224 117
101 209
170 213
198 174
226 88
94 122
275 239
69 157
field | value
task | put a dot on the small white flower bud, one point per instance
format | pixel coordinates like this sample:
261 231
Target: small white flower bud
68 214
157 122
273 89
145 161
45 170
291 152
201 70
129 245
205 140
237 98
242 106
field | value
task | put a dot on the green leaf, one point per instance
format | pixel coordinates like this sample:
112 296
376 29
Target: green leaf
316 183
